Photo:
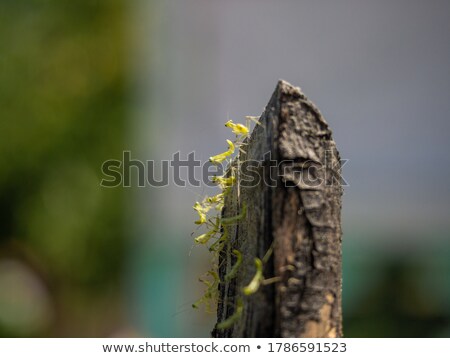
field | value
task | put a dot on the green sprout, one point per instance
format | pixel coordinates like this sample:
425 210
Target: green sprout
234 270
230 321
256 281
215 227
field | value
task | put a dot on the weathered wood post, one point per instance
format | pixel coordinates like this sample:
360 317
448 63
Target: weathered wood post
293 210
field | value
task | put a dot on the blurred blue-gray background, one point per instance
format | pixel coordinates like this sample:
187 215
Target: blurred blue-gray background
80 82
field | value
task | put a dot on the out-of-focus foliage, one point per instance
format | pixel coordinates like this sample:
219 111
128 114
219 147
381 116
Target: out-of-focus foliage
387 293
62 114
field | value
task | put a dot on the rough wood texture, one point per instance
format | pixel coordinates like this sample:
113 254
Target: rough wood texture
296 209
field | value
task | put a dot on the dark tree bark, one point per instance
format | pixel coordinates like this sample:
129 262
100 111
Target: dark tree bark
294 211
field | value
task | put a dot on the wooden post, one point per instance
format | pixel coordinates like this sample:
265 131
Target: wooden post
293 212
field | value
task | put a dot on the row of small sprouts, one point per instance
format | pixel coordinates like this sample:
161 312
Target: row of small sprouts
215 228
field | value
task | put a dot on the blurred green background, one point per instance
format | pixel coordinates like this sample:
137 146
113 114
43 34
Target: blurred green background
62 100
81 81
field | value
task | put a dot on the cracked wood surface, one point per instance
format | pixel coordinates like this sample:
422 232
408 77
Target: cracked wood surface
294 209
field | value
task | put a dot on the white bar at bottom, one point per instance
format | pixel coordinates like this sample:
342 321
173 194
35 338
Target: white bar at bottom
245 347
